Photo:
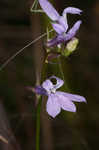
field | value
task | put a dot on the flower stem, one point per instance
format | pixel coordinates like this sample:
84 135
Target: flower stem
38 125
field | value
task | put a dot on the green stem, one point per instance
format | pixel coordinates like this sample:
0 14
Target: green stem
38 125
43 73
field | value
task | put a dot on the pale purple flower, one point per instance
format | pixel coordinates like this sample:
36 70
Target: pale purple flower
58 100
59 23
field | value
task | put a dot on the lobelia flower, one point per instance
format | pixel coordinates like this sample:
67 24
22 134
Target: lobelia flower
57 100
59 23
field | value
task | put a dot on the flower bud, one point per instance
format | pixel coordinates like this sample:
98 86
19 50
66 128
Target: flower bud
71 45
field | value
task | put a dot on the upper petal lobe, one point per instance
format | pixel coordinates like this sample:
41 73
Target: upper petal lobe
72 10
59 82
47 85
49 9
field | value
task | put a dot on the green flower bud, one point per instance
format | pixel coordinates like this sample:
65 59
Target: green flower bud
71 45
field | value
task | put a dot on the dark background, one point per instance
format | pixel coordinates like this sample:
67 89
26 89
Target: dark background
68 131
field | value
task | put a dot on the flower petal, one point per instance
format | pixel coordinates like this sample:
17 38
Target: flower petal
73 97
65 102
49 9
71 33
47 85
55 41
63 22
71 10
59 82
58 28
52 106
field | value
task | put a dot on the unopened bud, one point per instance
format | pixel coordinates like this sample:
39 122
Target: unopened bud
71 45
